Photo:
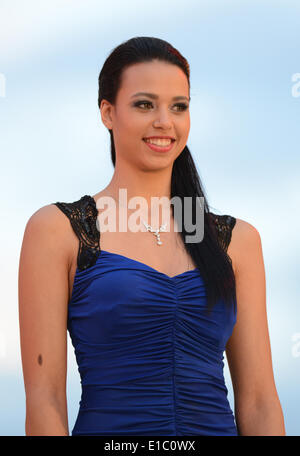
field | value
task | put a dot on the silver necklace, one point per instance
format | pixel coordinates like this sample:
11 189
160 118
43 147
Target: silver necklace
155 232
149 227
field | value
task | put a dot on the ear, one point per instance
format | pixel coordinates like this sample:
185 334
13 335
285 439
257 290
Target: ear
105 111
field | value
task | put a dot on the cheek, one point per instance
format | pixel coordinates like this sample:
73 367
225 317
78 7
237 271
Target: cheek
133 127
184 128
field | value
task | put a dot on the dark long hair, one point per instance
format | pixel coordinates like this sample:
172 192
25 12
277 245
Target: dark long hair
211 259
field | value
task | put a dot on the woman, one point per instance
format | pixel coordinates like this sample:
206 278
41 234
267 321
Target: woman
149 317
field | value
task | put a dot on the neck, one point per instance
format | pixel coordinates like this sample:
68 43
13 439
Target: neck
127 183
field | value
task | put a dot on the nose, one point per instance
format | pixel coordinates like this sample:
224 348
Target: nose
163 119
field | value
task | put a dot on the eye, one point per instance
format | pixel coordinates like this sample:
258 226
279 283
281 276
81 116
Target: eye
139 103
182 106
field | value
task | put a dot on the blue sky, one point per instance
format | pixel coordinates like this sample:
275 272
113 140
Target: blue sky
244 138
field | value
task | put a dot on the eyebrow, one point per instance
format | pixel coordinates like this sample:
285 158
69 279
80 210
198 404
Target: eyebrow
155 97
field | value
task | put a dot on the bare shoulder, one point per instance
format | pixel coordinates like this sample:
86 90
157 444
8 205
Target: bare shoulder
47 231
48 215
245 239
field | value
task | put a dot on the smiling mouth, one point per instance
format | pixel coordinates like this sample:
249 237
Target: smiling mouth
159 142
160 146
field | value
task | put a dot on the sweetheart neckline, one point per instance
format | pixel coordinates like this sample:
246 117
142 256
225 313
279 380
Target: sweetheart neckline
136 261
145 265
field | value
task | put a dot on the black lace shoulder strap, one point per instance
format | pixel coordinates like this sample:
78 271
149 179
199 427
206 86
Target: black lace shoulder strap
83 218
224 225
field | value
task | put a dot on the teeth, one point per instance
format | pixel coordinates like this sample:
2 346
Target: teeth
159 142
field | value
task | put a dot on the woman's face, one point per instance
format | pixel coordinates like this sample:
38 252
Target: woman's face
133 118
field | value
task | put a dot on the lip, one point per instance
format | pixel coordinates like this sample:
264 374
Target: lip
160 137
160 148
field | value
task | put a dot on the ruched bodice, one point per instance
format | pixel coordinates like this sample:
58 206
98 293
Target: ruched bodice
149 358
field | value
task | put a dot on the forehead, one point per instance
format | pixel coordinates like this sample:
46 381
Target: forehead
161 78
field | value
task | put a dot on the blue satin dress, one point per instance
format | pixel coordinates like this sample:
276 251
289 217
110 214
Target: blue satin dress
150 360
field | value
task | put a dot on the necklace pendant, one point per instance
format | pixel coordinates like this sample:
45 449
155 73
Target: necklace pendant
155 232
158 239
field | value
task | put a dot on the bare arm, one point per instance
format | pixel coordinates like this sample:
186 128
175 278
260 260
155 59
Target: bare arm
43 298
257 408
